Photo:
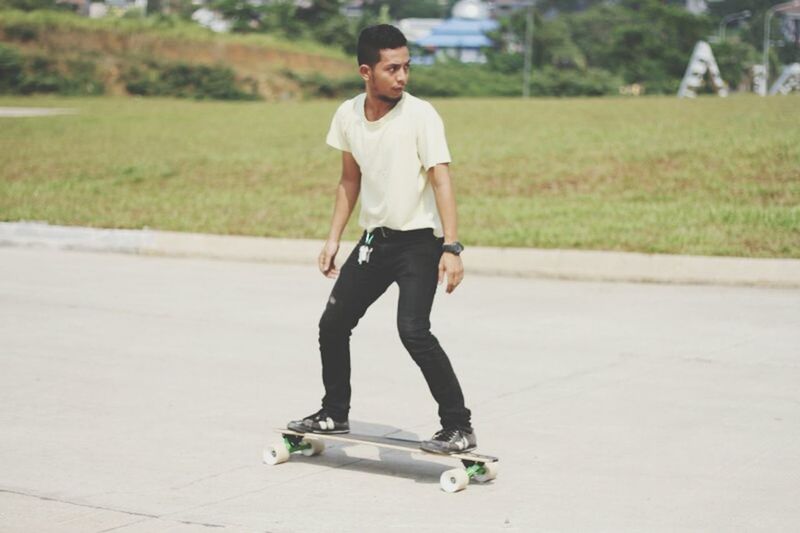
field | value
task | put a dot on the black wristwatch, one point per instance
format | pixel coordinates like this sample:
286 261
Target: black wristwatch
454 248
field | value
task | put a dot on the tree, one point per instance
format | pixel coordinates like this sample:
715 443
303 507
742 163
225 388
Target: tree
400 9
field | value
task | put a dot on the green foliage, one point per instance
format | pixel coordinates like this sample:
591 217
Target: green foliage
22 31
457 79
11 69
400 9
320 21
648 42
751 30
579 46
633 41
39 74
558 82
320 86
187 81
33 5
161 26
733 58
279 17
244 15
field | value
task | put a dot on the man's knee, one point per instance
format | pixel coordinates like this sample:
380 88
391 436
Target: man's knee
335 321
416 336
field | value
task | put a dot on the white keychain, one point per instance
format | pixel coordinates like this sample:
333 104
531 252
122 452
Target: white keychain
364 251
363 254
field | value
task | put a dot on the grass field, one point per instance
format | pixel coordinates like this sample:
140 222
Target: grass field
709 176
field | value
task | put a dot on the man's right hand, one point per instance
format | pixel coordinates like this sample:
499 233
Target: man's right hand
327 259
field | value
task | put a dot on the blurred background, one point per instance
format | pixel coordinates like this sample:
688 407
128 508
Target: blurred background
290 48
209 116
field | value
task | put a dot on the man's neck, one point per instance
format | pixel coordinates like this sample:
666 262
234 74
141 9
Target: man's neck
375 107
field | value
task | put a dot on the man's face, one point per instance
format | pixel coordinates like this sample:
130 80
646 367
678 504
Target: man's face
389 76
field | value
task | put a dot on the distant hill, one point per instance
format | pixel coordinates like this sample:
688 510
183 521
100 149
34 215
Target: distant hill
116 50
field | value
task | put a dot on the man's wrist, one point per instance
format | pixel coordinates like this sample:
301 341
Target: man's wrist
454 247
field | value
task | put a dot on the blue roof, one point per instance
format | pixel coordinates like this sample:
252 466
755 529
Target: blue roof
455 41
460 33
465 27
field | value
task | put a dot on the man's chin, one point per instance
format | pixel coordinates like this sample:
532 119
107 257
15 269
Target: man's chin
391 98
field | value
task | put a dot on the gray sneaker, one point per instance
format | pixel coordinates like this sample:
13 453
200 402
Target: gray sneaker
450 440
319 422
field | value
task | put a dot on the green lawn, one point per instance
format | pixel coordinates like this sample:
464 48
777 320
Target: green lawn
707 176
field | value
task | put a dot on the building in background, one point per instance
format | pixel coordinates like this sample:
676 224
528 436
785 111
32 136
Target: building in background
462 37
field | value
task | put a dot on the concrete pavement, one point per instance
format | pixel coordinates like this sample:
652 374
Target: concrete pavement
136 394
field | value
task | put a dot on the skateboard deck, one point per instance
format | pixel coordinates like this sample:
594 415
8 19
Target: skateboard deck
481 468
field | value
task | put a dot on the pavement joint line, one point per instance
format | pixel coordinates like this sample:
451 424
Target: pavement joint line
266 487
160 519
102 508
67 502
123 526
566 264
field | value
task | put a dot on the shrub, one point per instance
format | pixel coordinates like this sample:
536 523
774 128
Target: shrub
11 69
186 81
39 74
22 31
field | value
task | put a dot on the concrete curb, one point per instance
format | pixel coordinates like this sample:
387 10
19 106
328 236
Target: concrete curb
522 262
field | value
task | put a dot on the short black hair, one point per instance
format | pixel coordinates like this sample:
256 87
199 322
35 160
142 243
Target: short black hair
373 39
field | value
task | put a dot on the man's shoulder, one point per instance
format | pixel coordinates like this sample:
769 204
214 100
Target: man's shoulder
415 102
419 106
350 106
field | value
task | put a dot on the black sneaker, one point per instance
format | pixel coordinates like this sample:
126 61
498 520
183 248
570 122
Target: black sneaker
451 440
319 422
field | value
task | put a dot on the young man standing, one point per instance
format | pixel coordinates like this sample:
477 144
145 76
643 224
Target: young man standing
394 153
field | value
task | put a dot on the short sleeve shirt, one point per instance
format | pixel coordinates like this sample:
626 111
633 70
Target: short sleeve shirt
394 154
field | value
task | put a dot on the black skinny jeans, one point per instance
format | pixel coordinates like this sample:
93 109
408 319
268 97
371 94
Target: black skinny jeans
410 258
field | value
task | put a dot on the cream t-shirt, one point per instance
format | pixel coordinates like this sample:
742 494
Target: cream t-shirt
394 154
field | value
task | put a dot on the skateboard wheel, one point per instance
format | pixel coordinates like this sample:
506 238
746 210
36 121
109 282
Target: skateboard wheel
317 446
454 480
490 474
276 454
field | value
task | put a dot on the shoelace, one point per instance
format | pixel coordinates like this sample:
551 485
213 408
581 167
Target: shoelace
445 434
316 416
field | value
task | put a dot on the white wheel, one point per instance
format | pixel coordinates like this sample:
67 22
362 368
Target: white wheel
491 473
454 480
317 446
276 454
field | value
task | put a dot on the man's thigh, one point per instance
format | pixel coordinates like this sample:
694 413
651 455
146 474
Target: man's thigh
356 288
417 280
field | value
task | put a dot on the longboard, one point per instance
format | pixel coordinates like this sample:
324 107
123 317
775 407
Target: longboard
481 468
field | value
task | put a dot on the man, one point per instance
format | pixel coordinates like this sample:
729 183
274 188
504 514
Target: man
394 153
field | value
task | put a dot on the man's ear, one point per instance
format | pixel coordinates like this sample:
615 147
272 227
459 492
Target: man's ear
365 72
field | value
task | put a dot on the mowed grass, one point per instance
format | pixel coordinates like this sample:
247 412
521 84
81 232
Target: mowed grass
708 176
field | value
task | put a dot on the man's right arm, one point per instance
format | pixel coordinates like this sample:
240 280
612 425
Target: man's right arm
346 197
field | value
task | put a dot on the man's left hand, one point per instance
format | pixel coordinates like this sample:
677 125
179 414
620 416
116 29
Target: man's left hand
451 265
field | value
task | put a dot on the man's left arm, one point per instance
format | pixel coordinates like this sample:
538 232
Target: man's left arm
450 264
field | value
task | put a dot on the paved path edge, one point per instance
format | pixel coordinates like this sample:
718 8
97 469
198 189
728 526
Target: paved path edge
522 262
